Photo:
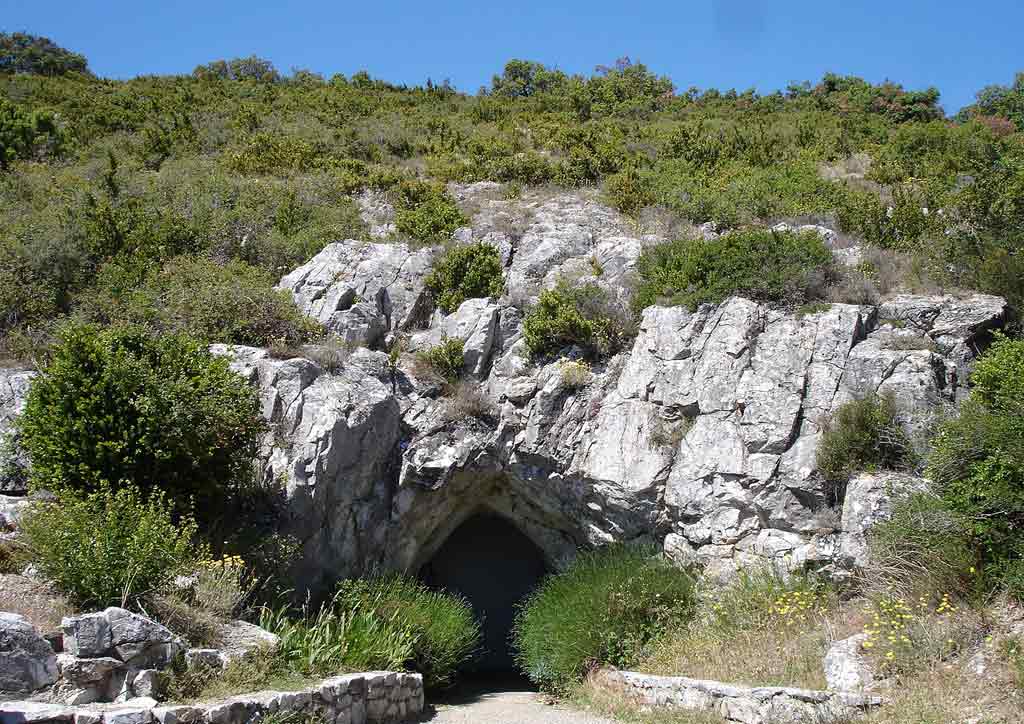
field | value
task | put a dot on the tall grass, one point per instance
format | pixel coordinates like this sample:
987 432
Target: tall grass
442 632
335 640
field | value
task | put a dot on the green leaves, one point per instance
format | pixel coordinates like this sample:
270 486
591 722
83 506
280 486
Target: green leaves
163 413
606 608
763 265
470 271
109 547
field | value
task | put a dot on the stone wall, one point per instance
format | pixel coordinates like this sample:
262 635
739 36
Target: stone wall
746 704
378 696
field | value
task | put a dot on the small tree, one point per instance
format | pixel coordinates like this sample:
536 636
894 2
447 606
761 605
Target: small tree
24 53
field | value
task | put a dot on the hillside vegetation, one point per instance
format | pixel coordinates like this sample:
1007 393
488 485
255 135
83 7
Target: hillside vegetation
112 192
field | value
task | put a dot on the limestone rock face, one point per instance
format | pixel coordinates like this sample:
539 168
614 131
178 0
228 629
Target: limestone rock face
362 290
14 386
702 437
27 661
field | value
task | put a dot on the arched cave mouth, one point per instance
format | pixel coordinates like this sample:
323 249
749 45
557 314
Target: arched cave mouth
494 566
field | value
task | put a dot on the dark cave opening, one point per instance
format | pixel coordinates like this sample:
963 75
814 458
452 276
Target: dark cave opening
494 565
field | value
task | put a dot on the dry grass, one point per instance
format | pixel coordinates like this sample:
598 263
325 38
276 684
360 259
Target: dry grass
37 602
466 399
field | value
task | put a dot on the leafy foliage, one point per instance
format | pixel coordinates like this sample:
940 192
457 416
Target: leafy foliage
118 406
427 213
606 608
22 134
581 316
109 547
768 266
445 359
232 303
24 53
863 435
445 635
978 459
466 272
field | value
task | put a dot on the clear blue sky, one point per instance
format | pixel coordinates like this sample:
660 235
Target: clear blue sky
957 46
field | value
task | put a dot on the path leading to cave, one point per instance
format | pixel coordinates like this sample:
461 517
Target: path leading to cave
507 703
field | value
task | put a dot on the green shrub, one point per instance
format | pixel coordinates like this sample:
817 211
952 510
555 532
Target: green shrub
606 608
445 634
924 548
428 214
766 266
109 547
444 360
581 316
629 191
118 405
466 272
24 133
232 303
978 457
863 435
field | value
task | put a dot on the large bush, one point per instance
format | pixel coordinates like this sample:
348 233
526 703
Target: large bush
581 316
606 608
767 266
119 405
109 547
466 272
978 458
444 633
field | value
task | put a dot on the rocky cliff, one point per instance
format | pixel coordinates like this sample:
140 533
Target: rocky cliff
701 437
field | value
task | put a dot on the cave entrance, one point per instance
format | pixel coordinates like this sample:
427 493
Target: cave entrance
491 563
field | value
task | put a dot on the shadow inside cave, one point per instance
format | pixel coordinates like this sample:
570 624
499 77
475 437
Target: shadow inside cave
494 566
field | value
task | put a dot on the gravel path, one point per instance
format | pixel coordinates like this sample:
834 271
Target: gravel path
510 704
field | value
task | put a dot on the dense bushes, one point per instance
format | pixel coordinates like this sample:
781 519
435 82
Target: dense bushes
25 53
767 266
232 303
863 435
978 461
427 213
162 413
465 272
443 631
606 608
581 316
23 134
109 547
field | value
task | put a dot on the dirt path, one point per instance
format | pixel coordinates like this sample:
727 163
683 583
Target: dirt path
504 703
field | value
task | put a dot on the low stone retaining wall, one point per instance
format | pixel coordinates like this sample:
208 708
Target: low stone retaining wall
378 696
746 704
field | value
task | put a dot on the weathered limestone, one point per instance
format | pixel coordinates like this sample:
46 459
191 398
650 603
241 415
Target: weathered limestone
27 661
362 290
378 696
734 703
846 667
14 384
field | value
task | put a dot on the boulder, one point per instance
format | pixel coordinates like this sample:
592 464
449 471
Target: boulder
847 670
14 385
27 661
362 290
122 635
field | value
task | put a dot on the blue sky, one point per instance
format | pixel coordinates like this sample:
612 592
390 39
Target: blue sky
957 46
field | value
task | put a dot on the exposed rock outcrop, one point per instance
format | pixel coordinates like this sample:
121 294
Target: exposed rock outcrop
702 437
